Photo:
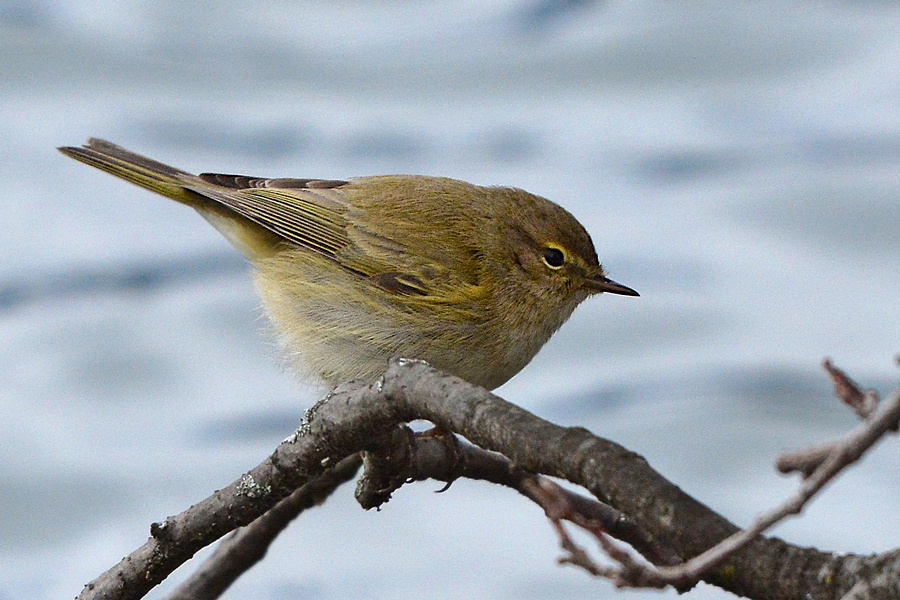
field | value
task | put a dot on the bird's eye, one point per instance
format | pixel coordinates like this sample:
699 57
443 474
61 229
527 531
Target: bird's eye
554 257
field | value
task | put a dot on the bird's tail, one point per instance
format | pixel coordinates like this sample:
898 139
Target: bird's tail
252 239
137 169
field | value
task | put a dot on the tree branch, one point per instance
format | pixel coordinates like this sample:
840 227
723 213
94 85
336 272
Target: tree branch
246 546
357 416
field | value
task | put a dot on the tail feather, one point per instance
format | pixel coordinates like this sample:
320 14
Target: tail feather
252 239
140 170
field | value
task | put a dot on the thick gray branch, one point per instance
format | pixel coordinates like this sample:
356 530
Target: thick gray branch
356 414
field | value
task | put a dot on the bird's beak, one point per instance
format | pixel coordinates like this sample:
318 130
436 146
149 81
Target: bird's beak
600 283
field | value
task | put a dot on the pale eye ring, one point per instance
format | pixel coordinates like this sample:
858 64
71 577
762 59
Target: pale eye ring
554 257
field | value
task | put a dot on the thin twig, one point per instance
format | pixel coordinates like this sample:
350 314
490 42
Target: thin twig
841 454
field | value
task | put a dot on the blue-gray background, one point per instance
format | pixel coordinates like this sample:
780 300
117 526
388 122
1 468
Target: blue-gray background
736 162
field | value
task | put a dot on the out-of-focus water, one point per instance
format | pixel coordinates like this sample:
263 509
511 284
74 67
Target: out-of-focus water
737 163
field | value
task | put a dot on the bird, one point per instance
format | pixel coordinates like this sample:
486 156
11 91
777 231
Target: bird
472 279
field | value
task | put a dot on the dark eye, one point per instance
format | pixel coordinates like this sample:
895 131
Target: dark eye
554 257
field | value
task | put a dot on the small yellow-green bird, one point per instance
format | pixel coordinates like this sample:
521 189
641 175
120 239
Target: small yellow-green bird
473 280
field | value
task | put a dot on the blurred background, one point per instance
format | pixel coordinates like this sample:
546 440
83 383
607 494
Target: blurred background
735 162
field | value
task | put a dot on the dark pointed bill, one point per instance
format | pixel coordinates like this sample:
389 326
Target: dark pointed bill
603 284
